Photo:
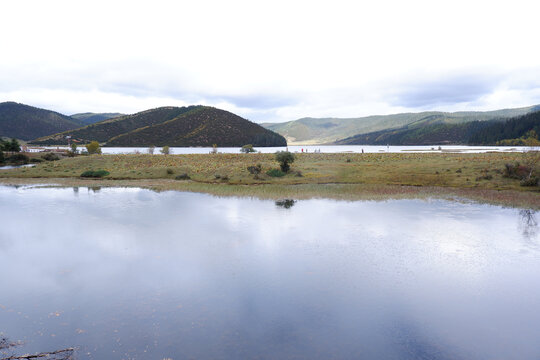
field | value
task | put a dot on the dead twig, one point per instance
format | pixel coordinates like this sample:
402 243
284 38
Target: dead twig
65 354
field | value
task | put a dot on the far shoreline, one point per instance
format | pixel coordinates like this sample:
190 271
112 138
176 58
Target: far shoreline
302 148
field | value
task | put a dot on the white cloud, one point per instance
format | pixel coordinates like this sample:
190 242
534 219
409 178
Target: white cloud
270 61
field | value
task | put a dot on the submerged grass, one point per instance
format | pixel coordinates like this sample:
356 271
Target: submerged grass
339 176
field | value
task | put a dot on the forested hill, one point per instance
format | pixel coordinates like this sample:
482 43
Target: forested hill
90 118
510 132
173 126
332 130
202 126
107 129
27 122
495 132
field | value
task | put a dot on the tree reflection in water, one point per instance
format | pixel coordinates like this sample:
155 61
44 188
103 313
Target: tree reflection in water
286 203
528 224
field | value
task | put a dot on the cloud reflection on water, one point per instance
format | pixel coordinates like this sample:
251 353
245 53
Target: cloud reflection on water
182 274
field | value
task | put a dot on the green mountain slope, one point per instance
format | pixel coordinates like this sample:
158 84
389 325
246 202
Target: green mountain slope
27 122
173 126
488 132
107 129
511 129
91 118
331 130
428 134
203 126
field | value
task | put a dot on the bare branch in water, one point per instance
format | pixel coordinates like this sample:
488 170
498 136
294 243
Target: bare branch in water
65 354
5 343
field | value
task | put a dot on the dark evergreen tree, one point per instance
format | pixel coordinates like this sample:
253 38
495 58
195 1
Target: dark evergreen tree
510 129
14 146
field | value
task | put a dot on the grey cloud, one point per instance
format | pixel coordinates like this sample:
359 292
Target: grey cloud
444 91
148 79
136 78
258 101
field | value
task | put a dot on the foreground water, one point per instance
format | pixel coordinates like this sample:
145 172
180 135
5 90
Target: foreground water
133 274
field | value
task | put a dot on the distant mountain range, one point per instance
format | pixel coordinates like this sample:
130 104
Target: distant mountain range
27 122
90 118
205 126
172 126
475 132
406 128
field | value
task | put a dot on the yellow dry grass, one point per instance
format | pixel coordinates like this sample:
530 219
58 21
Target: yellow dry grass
346 176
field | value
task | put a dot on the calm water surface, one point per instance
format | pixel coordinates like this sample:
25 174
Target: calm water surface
321 148
133 274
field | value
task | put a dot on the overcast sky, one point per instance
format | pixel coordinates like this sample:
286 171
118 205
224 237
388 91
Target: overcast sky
271 60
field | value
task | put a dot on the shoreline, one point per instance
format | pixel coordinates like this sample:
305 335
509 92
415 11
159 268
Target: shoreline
343 192
478 177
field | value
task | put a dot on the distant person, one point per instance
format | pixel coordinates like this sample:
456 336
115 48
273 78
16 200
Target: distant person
362 150
302 149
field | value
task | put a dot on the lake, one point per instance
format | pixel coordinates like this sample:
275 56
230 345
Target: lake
135 274
321 148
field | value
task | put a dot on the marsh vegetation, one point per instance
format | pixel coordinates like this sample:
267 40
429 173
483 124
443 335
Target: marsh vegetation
441 170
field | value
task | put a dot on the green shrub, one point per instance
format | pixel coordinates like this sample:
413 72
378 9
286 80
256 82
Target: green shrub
165 150
183 176
17 159
284 158
170 171
93 148
254 170
516 171
532 181
12 145
1 157
36 160
275 173
522 173
95 173
50 157
247 149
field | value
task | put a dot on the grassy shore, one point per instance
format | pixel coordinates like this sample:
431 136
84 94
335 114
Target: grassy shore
340 176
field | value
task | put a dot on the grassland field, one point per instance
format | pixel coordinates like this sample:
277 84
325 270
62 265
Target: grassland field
339 175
